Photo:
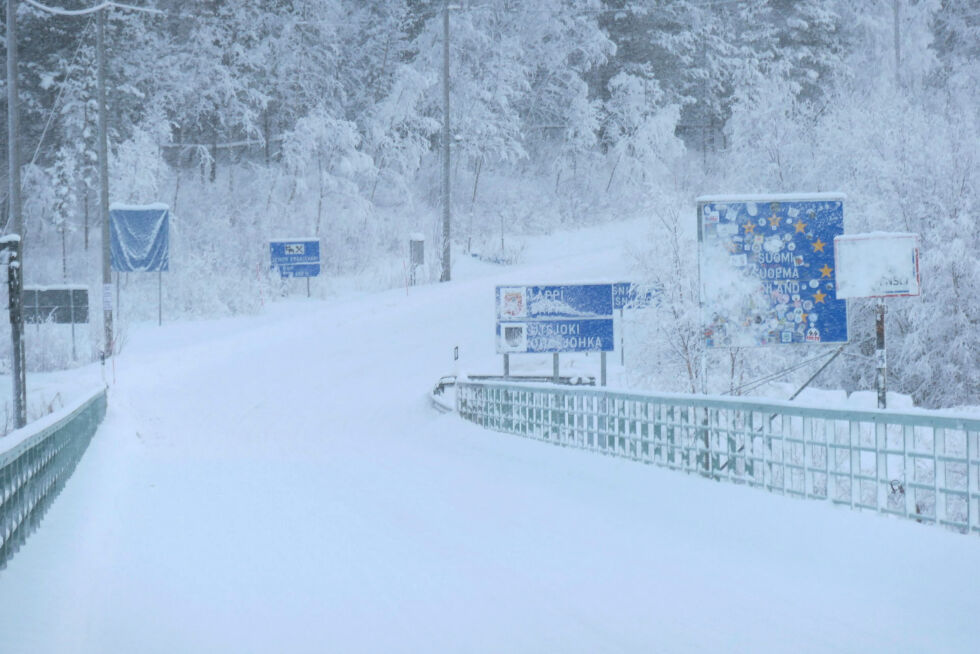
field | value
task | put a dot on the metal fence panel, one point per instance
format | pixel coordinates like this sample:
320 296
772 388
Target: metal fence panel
917 465
33 472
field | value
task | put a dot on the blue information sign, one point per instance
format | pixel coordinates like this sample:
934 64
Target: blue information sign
532 336
550 302
767 270
555 318
296 257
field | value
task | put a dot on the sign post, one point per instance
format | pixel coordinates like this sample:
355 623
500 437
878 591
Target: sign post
555 319
140 242
879 265
296 257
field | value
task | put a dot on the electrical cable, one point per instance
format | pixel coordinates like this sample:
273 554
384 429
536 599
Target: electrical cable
61 91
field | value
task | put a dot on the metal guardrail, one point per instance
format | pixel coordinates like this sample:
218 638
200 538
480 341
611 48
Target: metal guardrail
34 471
921 466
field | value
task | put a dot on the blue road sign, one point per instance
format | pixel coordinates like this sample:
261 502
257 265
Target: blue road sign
551 302
299 270
767 270
627 295
536 336
296 257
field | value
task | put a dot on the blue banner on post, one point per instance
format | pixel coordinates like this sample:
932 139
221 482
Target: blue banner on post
139 238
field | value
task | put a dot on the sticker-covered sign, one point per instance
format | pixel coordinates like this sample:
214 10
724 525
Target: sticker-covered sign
767 270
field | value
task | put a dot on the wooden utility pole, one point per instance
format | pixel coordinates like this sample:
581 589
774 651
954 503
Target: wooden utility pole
104 183
896 9
446 211
15 225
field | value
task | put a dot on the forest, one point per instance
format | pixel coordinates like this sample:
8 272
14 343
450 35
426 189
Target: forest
258 118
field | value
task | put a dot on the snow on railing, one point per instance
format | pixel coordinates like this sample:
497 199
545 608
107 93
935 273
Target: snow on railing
919 465
35 463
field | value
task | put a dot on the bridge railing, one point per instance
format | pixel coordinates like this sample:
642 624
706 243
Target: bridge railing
919 465
35 463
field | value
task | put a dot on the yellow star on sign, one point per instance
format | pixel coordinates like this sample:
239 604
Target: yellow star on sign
800 226
818 245
818 297
774 221
805 316
749 227
825 271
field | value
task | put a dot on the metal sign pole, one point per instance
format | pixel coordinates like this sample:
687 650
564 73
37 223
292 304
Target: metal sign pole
602 368
71 309
881 359
555 366
622 341
506 366
160 298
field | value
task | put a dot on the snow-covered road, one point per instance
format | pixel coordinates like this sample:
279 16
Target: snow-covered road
279 484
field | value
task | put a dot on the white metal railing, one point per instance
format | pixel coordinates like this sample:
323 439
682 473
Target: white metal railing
918 465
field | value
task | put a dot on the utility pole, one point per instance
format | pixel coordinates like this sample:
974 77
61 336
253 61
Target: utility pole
15 222
104 184
898 41
446 212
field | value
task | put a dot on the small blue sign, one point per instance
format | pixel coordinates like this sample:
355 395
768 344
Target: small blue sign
539 336
627 295
551 302
299 270
296 258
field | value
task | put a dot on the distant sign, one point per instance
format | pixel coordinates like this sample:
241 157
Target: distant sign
877 265
139 237
55 304
555 318
768 274
296 257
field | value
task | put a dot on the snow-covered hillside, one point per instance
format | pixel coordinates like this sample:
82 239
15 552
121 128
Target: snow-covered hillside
280 484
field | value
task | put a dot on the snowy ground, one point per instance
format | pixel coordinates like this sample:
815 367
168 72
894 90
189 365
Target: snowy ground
280 484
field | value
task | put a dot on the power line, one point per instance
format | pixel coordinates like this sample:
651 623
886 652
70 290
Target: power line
61 91
59 11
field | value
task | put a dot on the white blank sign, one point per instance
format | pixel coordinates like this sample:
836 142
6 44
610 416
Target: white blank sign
877 265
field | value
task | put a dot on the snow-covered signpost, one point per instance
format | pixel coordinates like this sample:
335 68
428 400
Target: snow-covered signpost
296 257
140 242
766 265
540 319
879 265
